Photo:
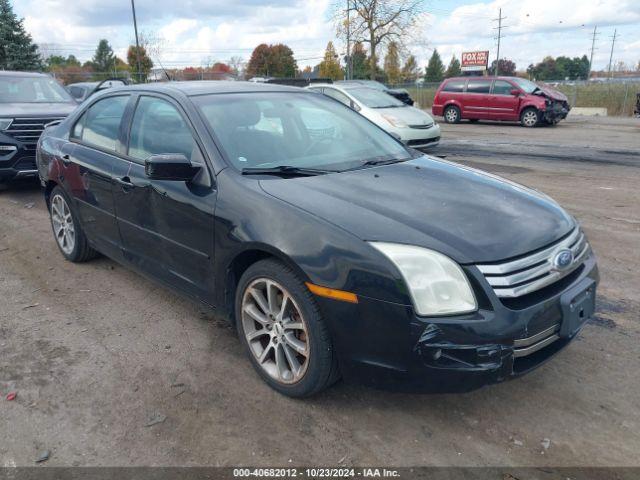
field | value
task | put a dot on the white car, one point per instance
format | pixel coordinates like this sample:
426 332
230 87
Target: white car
412 126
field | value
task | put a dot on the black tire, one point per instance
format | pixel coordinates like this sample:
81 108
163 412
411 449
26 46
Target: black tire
473 120
451 114
322 365
530 117
81 251
4 186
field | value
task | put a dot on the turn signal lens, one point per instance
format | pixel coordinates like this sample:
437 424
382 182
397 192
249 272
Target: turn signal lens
331 293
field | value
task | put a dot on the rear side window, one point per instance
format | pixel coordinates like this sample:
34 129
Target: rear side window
159 128
100 124
341 97
501 87
454 86
479 86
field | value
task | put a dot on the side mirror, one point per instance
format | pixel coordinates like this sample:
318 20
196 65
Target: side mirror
170 166
515 92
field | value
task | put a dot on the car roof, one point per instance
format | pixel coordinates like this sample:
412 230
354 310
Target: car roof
83 84
15 73
208 87
481 77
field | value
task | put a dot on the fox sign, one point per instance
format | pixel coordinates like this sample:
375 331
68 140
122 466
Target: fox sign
475 60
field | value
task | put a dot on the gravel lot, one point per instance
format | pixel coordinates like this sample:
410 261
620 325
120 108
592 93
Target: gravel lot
94 351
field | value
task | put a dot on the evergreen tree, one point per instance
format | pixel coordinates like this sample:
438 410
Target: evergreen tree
103 60
17 50
330 67
392 64
453 70
435 68
410 70
145 62
359 62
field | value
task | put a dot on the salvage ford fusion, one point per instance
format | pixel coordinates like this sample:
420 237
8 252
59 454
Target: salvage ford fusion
334 249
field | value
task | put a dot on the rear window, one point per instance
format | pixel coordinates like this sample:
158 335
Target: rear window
454 86
479 86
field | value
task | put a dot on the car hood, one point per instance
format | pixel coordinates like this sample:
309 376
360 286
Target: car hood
409 115
15 110
553 94
467 214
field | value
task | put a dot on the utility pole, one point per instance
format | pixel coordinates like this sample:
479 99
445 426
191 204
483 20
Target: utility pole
593 45
348 66
613 42
499 28
135 27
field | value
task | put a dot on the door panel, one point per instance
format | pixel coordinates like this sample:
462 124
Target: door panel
502 104
476 99
166 226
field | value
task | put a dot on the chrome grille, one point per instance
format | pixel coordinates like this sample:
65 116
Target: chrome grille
533 272
422 126
28 130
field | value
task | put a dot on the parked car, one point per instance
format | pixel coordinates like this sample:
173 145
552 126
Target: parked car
636 111
399 93
83 90
28 102
410 125
499 98
335 252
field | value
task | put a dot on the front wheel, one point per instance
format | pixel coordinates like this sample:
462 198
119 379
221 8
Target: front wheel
67 230
530 117
282 330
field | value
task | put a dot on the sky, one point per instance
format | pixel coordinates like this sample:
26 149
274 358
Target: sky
200 32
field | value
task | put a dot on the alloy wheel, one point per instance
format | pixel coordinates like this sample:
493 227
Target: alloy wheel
530 118
275 330
451 115
63 224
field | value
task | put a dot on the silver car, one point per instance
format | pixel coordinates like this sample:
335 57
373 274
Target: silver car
412 126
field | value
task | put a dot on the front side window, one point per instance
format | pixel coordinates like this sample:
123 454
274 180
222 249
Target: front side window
32 90
337 95
159 128
501 87
273 129
100 124
527 85
479 86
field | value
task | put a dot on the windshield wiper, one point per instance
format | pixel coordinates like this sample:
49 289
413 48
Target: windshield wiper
285 170
378 161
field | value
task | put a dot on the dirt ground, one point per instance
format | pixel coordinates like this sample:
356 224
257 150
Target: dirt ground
95 351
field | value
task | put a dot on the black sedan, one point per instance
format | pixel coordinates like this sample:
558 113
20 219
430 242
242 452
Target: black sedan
334 249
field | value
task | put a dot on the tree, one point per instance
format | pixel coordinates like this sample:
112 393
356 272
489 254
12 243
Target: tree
378 22
392 63
133 53
435 68
453 70
103 59
330 66
505 67
271 61
236 63
410 70
359 62
560 68
17 50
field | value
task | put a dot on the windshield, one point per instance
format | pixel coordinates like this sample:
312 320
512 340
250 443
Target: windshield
32 90
303 130
373 98
527 85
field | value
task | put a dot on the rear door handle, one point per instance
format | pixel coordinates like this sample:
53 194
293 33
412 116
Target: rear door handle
125 183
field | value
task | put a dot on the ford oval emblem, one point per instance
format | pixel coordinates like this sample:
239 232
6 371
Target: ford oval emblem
563 259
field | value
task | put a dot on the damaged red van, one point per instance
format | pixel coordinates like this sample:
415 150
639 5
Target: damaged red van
499 98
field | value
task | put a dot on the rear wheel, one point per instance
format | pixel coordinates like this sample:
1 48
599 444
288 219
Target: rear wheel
530 117
452 114
67 230
282 329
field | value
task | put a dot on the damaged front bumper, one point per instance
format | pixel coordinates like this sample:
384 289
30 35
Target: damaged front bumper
400 351
555 111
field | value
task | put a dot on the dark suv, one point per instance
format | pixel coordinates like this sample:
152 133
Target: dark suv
28 102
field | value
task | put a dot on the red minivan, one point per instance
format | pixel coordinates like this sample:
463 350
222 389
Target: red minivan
499 98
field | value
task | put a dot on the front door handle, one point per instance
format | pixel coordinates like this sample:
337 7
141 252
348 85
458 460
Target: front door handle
66 159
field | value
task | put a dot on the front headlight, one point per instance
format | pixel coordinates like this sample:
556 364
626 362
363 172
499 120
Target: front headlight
394 121
5 122
437 284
